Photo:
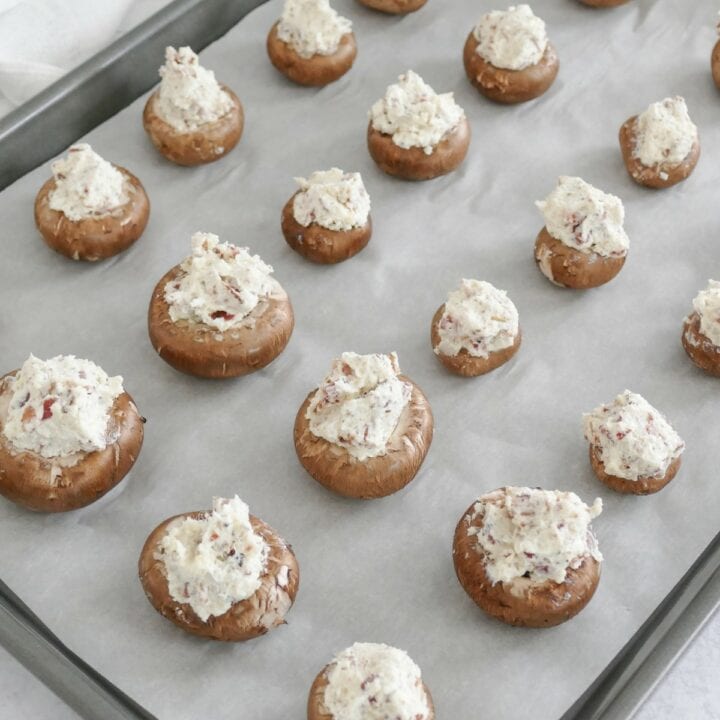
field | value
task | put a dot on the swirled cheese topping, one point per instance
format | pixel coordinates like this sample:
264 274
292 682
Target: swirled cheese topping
312 27
707 306
372 681
214 561
359 403
665 134
414 114
478 318
532 533
189 95
60 406
512 39
220 284
86 185
334 199
585 218
632 438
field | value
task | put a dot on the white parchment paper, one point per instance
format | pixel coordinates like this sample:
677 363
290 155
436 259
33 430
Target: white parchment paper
382 570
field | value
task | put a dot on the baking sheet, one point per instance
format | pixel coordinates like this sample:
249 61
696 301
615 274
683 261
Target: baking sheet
382 571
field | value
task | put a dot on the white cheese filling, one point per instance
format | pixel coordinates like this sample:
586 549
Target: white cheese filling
312 27
414 114
359 403
633 439
189 95
478 318
86 185
585 218
215 561
532 533
707 306
544 259
665 134
220 284
372 681
334 199
511 39
60 406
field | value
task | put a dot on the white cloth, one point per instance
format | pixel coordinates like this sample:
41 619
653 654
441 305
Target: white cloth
41 40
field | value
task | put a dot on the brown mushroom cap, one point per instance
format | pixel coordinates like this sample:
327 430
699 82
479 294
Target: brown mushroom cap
334 468
657 176
249 618
198 349
52 484
715 64
571 268
641 486
394 7
208 143
603 3
319 244
413 163
509 86
702 351
520 602
464 363
98 237
316 709
314 71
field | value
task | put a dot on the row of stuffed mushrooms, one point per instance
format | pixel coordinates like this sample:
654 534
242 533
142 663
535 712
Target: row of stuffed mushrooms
92 209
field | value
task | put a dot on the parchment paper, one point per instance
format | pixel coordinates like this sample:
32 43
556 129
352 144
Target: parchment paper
382 570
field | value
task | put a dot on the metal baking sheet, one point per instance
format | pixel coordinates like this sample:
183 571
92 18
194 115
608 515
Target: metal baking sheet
107 82
382 570
80 685
630 693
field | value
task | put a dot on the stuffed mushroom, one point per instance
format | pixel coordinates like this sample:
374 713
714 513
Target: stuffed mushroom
90 209
370 680
192 119
604 3
394 7
416 134
220 313
583 244
508 57
222 574
328 219
661 146
701 330
528 556
633 448
366 430
476 330
68 433
311 44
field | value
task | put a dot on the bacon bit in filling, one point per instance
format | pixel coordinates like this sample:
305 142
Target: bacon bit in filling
47 405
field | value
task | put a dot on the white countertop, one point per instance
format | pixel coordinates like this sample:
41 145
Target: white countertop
40 40
690 689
